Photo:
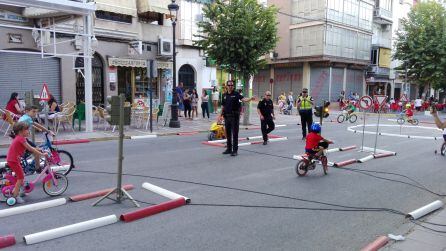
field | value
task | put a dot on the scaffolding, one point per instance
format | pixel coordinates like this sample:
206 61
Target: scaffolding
67 10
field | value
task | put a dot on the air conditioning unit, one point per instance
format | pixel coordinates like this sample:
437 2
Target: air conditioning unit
135 48
165 47
78 42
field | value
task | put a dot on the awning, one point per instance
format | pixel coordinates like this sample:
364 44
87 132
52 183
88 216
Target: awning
127 62
32 12
159 6
126 7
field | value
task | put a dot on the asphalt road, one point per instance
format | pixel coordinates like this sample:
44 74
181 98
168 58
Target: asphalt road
200 227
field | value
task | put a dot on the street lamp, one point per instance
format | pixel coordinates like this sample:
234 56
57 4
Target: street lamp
174 122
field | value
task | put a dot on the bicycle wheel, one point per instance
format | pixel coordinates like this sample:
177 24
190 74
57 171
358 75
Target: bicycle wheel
353 118
324 162
301 168
443 149
64 159
340 118
211 136
415 121
400 121
52 189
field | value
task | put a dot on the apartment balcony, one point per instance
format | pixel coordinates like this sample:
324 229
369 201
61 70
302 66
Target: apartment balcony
382 16
376 71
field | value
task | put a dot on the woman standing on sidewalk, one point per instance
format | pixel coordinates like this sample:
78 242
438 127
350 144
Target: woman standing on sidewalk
187 103
215 97
205 103
194 102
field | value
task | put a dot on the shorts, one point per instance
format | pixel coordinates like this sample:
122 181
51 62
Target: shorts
17 169
310 151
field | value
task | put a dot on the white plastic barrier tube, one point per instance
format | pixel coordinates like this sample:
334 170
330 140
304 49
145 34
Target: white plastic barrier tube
163 192
429 208
278 139
333 150
370 149
244 144
144 136
32 207
298 157
70 229
254 137
280 126
367 158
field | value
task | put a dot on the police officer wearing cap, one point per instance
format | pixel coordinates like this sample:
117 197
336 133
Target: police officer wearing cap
230 111
265 109
305 105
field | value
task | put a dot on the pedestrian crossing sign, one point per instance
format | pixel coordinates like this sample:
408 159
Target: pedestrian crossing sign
45 94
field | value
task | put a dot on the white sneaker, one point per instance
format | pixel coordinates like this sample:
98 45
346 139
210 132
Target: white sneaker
20 200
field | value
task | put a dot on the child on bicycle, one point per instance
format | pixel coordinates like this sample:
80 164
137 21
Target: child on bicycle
315 142
351 108
16 150
28 118
409 112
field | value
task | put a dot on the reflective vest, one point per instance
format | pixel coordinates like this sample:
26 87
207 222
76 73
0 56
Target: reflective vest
305 104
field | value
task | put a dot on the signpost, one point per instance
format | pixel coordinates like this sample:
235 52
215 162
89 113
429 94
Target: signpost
365 102
381 99
44 98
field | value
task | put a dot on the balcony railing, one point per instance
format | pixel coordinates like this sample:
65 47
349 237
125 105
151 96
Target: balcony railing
382 16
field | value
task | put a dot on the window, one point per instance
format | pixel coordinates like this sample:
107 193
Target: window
151 18
113 16
374 57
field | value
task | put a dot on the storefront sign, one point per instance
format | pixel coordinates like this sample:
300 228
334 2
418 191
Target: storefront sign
164 65
127 62
112 77
384 57
8 16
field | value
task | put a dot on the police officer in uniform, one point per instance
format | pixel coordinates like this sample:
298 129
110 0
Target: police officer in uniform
230 111
265 109
304 105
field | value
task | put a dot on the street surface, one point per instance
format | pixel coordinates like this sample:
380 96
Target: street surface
266 169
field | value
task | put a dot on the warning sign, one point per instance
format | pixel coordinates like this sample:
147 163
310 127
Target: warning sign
365 102
404 98
45 94
381 99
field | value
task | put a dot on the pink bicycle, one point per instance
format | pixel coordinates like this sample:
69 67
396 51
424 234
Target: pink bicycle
53 183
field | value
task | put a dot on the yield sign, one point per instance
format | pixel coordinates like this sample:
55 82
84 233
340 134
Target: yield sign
381 99
365 102
45 94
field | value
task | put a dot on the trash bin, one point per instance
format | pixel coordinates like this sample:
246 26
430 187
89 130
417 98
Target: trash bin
79 114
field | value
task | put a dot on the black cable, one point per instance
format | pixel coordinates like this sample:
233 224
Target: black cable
250 191
421 225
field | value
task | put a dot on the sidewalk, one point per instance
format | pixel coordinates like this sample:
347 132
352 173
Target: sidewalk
187 126
419 238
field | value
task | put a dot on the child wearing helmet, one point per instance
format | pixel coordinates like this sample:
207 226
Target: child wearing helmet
409 112
315 142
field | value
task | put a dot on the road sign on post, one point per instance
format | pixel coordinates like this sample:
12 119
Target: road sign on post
365 102
404 98
381 99
45 94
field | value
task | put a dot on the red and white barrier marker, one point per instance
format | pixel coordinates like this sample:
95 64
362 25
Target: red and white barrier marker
377 244
70 141
150 136
151 210
96 194
333 150
347 148
382 155
32 207
7 241
163 192
365 159
70 229
210 143
345 163
187 133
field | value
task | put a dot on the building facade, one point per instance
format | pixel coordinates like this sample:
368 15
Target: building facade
324 46
128 35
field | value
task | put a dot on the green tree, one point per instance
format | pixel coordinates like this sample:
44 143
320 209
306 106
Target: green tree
421 44
237 33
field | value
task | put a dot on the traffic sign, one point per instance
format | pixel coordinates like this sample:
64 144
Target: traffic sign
404 98
365 102
45 94
381 99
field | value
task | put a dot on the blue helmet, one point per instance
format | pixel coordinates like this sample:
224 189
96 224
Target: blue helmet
316 128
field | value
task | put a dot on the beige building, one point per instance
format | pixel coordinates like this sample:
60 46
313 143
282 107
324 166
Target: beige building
324 46
128 34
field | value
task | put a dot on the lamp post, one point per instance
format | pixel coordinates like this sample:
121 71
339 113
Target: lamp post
174 122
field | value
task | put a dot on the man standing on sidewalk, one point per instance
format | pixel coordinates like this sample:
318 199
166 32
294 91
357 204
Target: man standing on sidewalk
265 109
230 111
304 105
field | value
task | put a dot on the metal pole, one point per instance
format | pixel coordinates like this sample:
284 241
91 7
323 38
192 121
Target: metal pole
151 107
377 128
121 147
33 131
174 122
363 132
88 75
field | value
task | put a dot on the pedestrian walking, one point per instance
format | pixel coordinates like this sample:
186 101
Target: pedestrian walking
305 105
215 97
265 109
418 104
205 103
179 97
230 111
290 101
